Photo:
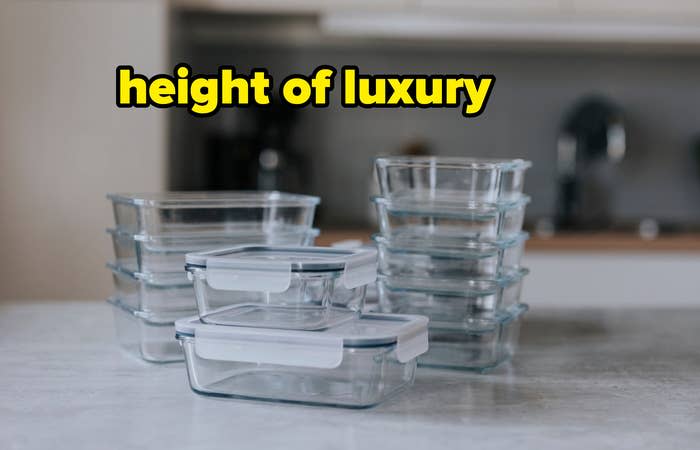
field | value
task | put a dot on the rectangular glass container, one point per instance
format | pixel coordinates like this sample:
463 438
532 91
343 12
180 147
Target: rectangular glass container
480 349
427 219
301 288
150 254
456 179
159 293
448 258
223 212
451 303
356 364
148 336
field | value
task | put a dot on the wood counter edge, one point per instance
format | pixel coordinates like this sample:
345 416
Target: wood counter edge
593 242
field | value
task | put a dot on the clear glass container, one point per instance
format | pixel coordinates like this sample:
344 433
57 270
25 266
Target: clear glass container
480 349
158 293
451 178
448 258
451 303
156 254
302 288
357 364
223 212
371 294
148 336
479 221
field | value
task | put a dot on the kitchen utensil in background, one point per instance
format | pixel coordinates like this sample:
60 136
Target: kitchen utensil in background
254 151
592 141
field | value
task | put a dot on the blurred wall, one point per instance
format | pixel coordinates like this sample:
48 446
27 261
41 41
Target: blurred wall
64 143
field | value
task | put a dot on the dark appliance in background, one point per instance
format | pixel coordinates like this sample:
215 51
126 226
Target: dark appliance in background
591 143
254 152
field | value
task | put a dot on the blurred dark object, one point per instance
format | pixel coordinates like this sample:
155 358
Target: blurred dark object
591 142
415 147
230 153
644 228
695 148
255 152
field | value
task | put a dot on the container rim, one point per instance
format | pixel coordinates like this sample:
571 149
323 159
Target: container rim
277 231
215 199
151 318
452 287
453 162
454 245
485 325
447 207
299 259
387 330
155 279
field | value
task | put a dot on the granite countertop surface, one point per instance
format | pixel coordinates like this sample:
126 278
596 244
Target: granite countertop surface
583 379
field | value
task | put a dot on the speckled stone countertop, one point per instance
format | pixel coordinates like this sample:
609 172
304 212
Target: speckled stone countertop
584 379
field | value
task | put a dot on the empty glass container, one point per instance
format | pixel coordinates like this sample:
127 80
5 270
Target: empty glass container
152 254
480 349
460 180
448 258
147 335
356 364
223 212
303 288
434 218
159 293
452 302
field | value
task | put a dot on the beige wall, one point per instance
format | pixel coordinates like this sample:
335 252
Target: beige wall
63 142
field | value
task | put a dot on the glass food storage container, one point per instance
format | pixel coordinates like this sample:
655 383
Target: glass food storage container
304 288
480 349
356 364
146 335
419 179
233 211
478 221
449 258
159 293
371 294
150 254
450 302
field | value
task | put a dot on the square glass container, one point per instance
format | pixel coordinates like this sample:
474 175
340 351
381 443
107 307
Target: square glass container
223 212
356 364
428 219
460 180
448 258
158 293
480 349
148 336
300 288
451 303
151 254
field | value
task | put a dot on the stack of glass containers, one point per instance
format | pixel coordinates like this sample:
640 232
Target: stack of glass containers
284 323
450 245
152 234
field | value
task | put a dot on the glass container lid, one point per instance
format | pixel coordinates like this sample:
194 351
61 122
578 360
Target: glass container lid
268 268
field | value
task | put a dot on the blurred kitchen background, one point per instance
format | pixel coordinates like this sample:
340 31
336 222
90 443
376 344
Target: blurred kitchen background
603 97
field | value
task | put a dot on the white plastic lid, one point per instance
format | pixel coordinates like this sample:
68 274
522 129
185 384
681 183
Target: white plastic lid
319 349
269 268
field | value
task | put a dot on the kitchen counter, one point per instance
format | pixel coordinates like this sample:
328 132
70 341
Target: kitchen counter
579 242
584 379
